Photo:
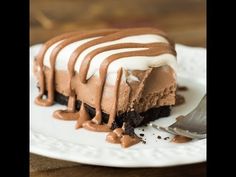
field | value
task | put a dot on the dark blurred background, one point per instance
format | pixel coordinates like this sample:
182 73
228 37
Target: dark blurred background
184 20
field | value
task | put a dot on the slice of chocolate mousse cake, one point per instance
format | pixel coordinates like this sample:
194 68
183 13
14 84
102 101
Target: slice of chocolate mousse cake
111 80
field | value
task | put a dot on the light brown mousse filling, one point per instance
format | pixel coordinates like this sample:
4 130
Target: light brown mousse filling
156 87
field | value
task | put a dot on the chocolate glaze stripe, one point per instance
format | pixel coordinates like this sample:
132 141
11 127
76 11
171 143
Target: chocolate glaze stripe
89 57
106 127
40 59
112 115
62 45
162 48
112 37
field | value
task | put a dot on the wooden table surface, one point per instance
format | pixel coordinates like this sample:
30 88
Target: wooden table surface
183 20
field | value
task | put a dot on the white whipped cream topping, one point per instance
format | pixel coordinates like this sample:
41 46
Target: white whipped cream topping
64 55
128 63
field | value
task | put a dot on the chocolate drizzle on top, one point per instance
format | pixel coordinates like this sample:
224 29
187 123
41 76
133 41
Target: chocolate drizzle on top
82 117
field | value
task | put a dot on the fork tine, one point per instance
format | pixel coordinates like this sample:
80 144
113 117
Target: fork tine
192 125
187 133
177 131
166 129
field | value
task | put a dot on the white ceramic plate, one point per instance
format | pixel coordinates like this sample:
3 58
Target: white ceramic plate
59 139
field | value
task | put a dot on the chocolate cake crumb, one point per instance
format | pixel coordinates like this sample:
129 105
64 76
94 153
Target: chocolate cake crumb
179 99
129 129
159 137
166 138
114 125
182 88
144 142
143 129
141 134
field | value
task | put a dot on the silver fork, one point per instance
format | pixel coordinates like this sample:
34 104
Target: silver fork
192 125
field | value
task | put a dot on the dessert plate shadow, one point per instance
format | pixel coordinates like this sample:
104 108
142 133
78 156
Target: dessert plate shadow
59 139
